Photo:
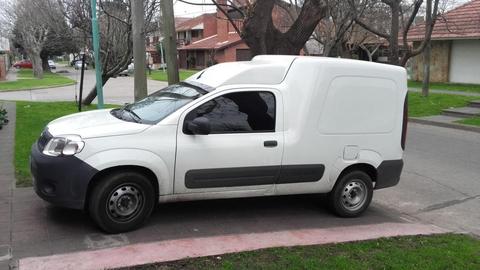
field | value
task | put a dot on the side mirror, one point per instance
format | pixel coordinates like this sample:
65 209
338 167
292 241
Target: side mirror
199 126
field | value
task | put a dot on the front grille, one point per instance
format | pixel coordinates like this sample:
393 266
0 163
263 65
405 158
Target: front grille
44 139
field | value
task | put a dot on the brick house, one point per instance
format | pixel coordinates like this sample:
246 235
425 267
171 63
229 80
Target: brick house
455 55
154 38
216 40
210 39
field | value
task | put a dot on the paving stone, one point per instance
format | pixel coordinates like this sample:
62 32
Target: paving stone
462 112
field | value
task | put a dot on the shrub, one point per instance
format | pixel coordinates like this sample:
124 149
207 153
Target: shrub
3 117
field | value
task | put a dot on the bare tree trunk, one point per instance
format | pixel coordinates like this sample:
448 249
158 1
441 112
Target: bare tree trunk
393 57
263 37
45 65
93 93
138 36
36 64
426 69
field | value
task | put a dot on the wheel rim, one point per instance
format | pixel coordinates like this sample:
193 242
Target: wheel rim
124 202
354 195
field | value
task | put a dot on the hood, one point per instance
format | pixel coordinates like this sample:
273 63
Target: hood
91 124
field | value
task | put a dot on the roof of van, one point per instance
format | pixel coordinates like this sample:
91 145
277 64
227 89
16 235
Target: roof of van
269 69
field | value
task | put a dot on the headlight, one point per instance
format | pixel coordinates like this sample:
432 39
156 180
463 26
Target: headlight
68 145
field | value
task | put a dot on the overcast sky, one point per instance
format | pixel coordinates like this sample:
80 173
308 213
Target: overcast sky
186 10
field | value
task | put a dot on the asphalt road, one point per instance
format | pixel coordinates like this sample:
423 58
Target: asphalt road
440 183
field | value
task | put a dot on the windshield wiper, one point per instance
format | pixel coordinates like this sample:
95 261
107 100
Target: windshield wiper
133 115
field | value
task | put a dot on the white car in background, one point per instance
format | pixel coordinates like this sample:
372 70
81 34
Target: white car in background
130 69
51 64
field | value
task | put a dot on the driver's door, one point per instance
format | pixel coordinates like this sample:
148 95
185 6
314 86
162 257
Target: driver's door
243 150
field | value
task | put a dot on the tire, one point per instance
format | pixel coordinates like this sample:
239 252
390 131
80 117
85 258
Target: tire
122 201
340 199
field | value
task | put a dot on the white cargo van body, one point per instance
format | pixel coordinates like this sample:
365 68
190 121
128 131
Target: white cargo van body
275 125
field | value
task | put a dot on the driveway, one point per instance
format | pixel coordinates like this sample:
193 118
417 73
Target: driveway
116 91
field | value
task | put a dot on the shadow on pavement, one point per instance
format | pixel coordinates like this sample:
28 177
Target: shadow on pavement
41 229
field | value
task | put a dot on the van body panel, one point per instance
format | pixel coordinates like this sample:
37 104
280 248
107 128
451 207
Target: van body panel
329 114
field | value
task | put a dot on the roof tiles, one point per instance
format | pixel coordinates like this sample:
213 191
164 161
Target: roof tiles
462 22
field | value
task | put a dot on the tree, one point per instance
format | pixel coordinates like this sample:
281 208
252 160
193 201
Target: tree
402 16
259 31
115 19
34 21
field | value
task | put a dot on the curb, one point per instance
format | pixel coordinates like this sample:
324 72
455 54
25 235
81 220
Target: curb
172 250
445 125
39 87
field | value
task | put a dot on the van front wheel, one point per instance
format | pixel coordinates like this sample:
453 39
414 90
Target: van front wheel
351 195
122 201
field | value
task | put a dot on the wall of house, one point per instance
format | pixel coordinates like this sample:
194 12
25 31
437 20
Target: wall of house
465 59
230 53
209 25
439 62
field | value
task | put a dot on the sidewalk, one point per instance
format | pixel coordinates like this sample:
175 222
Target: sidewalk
12 74
448 92
116 91
7 182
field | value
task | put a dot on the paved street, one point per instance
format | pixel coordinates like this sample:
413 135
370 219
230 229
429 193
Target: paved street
116 91
441 180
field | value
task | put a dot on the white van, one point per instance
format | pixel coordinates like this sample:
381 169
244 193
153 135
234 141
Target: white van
275 125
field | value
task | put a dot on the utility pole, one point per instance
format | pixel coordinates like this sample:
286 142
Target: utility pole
96 53
427 53
170 41
139 55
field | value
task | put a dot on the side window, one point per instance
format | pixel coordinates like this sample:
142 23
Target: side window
238 113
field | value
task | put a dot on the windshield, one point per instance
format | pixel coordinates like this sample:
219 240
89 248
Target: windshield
160 104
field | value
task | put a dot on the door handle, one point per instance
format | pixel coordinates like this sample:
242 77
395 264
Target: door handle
270 143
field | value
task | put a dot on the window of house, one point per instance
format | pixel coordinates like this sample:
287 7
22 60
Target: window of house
240 112
195 33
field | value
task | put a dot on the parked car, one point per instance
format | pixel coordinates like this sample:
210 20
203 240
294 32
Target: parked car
130 69
275 125
51 64
78 65
23 64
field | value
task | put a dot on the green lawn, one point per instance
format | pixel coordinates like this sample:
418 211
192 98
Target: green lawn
474 88
474 121
448 251
434 104
26 81
32 117
159 75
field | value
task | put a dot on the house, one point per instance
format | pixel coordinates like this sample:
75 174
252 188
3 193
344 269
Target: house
211 38
153 39
455 55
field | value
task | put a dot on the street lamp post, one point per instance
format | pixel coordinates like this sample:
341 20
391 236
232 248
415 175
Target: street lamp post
96 51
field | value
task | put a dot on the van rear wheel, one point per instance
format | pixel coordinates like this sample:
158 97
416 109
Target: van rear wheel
122 201
351 195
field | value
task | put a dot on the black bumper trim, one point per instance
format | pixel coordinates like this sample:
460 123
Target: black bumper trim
253 176
62 180
388 173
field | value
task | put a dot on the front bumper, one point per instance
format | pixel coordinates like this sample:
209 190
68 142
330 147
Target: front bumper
62 180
